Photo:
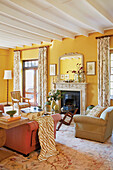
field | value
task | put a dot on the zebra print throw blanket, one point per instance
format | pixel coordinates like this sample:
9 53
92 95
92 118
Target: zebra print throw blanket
46 137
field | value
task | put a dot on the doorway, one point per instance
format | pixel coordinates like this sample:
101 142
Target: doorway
30 81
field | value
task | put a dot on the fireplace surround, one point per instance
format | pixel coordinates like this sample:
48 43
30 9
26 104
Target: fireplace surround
75 87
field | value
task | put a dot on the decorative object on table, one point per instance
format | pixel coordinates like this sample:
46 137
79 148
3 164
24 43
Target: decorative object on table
79 74
39 108
11 112
54 95
66 77
53 82
52 70
0 113
7 76
91 68
9 119
47 106
62 76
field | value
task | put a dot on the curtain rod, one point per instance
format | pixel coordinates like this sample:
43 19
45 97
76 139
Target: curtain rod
33 48
104 36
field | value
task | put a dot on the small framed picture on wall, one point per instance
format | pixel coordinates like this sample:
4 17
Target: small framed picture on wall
52 69
91 67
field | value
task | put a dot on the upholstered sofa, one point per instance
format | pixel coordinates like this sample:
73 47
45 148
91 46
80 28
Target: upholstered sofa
94 128
24 138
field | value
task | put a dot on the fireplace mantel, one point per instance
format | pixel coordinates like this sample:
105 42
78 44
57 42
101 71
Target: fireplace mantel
82 87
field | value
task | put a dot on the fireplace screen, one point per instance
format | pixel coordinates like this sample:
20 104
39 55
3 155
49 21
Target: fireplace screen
70 101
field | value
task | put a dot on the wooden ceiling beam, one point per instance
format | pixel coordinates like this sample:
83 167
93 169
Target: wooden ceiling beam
31 21
45 15
74 15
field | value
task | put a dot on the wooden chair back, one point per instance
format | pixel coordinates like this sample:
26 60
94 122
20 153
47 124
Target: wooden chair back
16 95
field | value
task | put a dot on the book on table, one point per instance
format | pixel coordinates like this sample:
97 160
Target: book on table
9 119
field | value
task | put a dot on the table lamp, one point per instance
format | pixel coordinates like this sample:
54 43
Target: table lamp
7 76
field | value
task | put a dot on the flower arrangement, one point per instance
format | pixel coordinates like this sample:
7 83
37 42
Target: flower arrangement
54 95
79 69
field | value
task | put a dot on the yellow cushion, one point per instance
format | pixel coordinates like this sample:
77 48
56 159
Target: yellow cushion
96 111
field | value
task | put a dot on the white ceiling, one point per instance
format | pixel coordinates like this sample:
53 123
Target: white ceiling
27 22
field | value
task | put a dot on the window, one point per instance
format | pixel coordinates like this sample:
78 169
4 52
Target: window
30 80
111 76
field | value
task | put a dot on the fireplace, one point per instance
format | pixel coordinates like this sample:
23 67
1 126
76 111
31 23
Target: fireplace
70 101
80 89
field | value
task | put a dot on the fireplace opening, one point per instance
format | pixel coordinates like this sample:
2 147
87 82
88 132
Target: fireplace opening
70 101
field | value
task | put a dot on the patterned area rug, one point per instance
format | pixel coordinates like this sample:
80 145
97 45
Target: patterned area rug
74 154
4 153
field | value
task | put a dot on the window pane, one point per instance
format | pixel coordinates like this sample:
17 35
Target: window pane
111 84
111 56
37 98
29 81
111 77
111 92
111 63
111 70
31 96
36 81
25 64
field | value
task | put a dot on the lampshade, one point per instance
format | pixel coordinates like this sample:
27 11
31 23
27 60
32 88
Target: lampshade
7 74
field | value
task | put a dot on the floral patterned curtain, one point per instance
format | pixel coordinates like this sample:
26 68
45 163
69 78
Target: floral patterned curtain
103 71
42 76
16 71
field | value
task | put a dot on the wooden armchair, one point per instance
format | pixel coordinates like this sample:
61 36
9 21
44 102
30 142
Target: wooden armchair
18 100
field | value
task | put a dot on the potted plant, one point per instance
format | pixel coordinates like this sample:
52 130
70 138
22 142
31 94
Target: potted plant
53 96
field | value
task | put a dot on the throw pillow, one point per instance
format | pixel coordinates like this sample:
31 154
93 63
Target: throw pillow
96 111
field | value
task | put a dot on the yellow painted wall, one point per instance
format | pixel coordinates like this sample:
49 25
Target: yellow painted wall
6 63
30 54
81 44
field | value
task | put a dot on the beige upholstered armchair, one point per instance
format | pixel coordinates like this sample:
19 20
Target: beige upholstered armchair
94 128
16 99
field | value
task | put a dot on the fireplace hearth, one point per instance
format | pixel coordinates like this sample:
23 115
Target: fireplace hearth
70 101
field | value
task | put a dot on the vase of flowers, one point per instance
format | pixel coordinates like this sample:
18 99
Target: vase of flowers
53 97
78 73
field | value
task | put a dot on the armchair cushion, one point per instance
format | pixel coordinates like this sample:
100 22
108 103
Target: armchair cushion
96 111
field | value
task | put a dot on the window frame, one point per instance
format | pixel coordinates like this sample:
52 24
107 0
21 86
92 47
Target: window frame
35 68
